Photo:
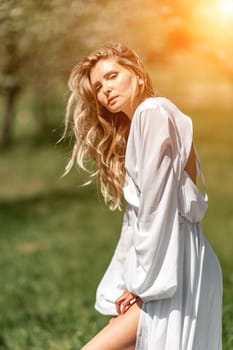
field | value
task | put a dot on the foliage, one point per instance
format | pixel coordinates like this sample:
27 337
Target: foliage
40 41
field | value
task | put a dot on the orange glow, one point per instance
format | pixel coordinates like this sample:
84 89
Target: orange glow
214 19
225 7
218 10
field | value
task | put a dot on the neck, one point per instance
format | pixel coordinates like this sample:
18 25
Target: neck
133 106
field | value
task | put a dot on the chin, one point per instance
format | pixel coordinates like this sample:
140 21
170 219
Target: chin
114 110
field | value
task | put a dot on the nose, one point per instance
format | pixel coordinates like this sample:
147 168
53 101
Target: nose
107 88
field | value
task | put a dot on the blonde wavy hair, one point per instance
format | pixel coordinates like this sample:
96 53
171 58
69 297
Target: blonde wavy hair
99 134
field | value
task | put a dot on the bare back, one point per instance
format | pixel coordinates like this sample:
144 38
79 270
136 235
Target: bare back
190 166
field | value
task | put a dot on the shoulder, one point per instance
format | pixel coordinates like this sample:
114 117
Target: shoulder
162 104
158 116
161 110
150 111
158 109
154 103
151 121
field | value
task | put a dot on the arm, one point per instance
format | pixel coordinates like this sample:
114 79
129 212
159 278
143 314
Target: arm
151 266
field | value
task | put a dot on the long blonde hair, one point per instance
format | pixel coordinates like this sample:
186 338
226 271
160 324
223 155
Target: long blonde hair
99 134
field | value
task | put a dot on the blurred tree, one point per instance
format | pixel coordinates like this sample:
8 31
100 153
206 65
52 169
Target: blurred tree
10 63
20 37
40 42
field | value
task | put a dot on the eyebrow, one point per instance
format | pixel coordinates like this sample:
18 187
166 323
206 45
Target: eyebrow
105 76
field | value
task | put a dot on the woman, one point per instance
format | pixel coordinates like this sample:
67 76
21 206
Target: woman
163 286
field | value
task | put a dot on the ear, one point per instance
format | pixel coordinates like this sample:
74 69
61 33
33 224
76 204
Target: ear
140 81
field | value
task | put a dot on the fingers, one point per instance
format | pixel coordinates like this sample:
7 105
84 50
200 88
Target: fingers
124 302
119 302
127 304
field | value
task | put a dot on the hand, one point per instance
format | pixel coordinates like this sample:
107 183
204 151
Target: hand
125 301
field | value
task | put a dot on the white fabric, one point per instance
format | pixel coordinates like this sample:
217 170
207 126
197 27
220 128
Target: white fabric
162 255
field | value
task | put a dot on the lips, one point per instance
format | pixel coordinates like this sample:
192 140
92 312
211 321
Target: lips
112 100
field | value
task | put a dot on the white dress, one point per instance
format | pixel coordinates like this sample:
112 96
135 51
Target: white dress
162 255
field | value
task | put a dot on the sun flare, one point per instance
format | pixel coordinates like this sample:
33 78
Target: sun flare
225 7
217 10
216 17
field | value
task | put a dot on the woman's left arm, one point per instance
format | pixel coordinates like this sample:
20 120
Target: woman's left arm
152 265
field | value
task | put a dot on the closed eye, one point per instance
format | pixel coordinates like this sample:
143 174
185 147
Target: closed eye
108 76
112 75
97 87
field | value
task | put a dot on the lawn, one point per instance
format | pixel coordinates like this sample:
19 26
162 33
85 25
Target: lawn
56 239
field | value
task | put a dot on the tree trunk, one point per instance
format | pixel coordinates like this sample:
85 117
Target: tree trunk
10 97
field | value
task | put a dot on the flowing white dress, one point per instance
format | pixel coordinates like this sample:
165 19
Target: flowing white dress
162 255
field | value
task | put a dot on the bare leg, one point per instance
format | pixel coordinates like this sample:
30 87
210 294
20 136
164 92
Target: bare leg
119 334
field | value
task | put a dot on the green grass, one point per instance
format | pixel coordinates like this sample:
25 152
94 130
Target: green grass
52 256
56 240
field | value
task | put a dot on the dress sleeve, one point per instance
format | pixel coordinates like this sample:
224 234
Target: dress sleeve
152 264
112 284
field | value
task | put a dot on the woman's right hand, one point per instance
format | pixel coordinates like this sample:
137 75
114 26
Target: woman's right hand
125 301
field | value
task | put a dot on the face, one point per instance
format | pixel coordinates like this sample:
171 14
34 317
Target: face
114 86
